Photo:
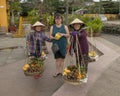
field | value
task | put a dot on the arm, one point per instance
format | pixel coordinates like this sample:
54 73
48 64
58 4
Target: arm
71 45
28 38
50 35
83 33
47 39
80 33
67 32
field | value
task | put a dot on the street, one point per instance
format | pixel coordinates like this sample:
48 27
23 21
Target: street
14 83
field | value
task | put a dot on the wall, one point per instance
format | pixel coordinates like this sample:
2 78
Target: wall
109 16
3 15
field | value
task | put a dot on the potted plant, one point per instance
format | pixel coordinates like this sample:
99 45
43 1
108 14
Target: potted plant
94 27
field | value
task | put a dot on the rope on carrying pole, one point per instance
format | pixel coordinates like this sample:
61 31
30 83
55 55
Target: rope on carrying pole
67 54
77 54
83 61
91 37
93 50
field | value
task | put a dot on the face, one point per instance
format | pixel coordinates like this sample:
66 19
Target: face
77 26
58 20
38 28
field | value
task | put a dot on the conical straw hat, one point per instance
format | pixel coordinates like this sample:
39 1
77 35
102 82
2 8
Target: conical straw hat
76 21
38 24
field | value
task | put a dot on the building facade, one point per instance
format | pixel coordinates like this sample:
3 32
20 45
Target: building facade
3 15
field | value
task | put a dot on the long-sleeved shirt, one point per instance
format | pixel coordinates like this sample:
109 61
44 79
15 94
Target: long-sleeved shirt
82 42
35 40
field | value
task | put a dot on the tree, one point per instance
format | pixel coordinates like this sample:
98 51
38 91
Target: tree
26 7
33 16
111 7
52 6
104 7
15 9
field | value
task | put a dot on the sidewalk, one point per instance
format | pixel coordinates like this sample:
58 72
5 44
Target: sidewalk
13 82
103 75
100 76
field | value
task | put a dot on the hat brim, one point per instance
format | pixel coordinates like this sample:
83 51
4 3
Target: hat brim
76 21
82 24
38 24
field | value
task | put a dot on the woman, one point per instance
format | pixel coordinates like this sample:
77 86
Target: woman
79 45
36 38
58 27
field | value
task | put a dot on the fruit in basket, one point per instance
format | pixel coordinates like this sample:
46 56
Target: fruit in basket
79 76
72 67
83 76
73 73
43 53
66 70
92 53
64 73
34 66
25 67
70 73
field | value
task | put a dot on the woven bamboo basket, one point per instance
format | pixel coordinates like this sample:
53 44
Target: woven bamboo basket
73 82
34 73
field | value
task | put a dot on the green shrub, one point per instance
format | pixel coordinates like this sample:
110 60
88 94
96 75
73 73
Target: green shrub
111 29
95 25
33 16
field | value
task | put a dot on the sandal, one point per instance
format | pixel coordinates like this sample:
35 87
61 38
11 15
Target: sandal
60 74
56 75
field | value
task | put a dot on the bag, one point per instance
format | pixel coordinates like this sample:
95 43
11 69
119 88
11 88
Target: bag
55 48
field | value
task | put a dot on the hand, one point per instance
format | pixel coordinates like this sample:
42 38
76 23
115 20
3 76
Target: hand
51 37
74 33
79 33
62 34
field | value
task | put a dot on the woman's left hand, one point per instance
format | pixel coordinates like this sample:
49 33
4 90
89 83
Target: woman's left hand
62 34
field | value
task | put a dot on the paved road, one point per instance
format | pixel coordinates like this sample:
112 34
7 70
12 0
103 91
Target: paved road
103 74
113 22
112 38
11 50
14 83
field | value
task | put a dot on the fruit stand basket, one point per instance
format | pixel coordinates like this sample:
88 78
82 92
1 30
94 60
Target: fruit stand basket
93 55
72 75
34 63
75 73
34 66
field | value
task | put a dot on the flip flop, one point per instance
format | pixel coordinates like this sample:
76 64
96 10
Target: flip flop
56 75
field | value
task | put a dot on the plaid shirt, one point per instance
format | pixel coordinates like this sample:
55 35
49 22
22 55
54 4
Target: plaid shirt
35 40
